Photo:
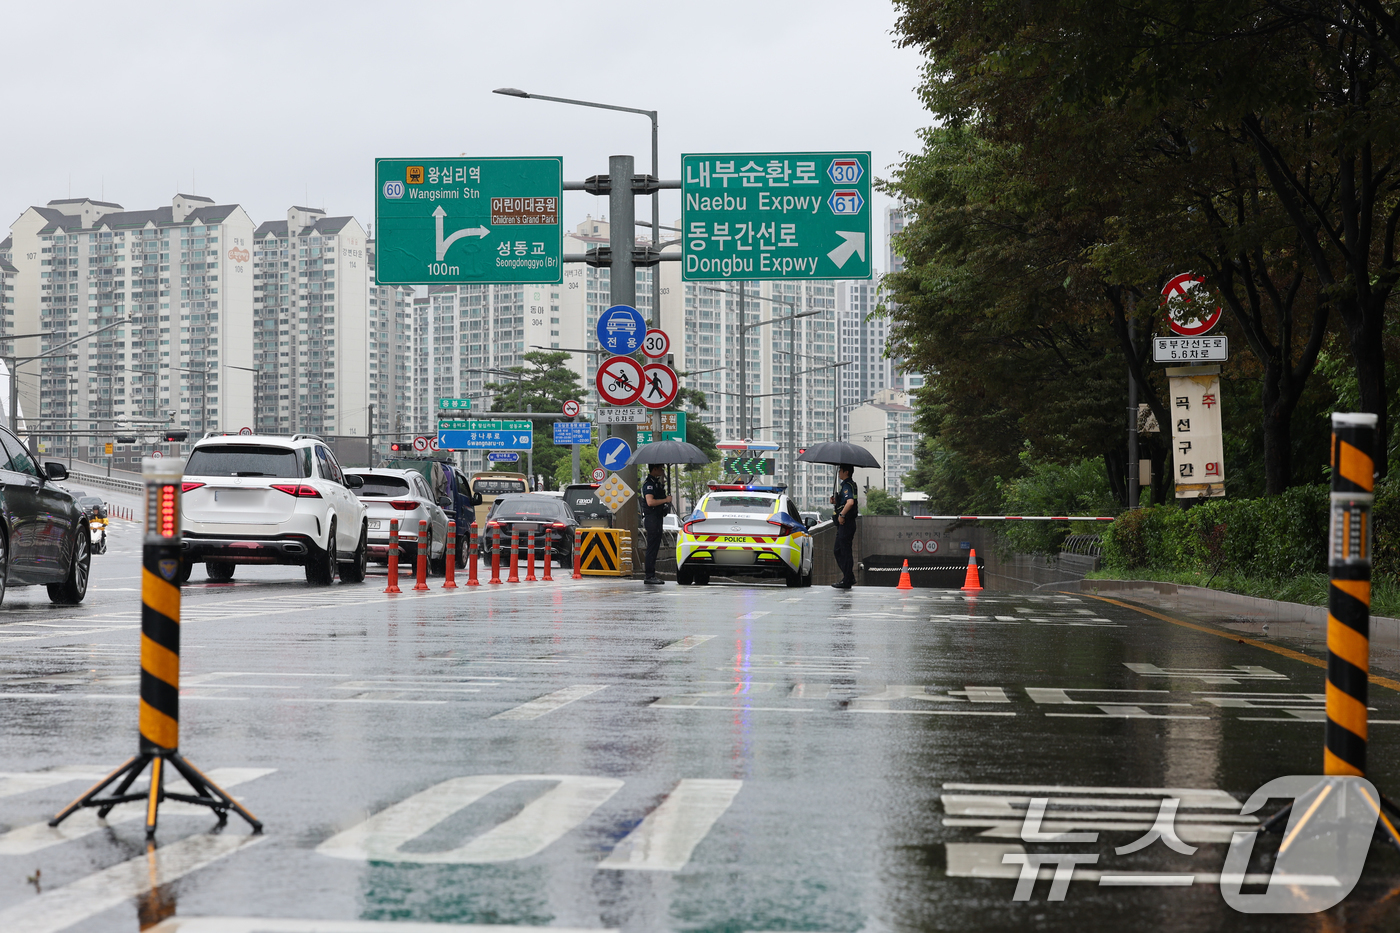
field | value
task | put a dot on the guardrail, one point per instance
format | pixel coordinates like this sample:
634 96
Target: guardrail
108 482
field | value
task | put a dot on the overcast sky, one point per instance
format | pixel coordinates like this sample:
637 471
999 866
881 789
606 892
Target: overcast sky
269 104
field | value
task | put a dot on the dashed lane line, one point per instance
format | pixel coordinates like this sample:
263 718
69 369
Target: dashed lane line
688 642
550 702
62 907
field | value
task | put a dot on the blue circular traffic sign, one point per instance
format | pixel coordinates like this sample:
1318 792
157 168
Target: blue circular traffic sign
613 454
621 329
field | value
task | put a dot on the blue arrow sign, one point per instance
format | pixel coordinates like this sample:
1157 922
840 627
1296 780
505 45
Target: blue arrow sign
621 329
613 453
573 432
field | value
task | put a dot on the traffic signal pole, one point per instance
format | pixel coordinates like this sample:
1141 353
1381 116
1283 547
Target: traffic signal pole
622 290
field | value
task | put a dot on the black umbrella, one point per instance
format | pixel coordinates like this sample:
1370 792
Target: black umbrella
668 452
838 452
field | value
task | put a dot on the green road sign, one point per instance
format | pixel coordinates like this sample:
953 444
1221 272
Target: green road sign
448 221
672 428
775 215
454 404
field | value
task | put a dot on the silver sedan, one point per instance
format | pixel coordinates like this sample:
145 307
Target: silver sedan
403 495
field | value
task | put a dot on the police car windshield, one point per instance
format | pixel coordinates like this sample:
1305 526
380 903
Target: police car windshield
756 505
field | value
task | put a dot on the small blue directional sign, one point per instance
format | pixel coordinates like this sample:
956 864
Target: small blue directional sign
487 435
621 329
613 454
503 456
573 432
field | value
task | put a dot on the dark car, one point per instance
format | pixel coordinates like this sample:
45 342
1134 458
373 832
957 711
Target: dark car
582 499
92 506
547 516
44 535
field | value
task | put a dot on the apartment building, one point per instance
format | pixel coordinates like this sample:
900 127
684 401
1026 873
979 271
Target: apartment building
180 277
389 370
310 326
885 427
862 341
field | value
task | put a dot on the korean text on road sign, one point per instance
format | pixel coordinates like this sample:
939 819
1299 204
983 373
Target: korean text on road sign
573 432
776 215
631 415
486 435
1197 441
452 220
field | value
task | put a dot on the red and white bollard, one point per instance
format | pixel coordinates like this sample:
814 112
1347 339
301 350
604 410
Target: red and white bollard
495 556
578 553
393 586
514 557
471 558
450 581
423 545
548 558
530 563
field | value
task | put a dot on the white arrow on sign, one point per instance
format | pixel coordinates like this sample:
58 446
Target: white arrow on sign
852 243
442 244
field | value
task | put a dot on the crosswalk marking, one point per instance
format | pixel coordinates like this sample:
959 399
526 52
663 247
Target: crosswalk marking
688 642
669 834
25 840
62 907
544 820
21 782
550 702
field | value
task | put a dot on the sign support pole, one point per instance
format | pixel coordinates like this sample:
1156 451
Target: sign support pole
622 290
1133 493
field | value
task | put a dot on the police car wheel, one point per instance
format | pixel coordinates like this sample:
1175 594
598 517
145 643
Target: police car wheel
685 576
793 580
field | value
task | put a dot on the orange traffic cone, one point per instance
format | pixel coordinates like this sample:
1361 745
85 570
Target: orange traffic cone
904 581
972 584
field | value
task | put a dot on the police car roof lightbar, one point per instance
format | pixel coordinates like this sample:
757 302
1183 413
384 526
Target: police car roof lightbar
741 487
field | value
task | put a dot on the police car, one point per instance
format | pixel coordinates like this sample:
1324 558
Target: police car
739 530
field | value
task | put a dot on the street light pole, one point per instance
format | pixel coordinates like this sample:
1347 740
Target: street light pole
631 214
14 362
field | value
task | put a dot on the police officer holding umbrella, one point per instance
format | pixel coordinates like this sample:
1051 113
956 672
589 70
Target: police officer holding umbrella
656 502
845 508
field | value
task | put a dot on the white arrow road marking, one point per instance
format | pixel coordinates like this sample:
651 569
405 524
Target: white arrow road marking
851 243
263 925
61 907
550 702
669 834
543 821
35 837
442 244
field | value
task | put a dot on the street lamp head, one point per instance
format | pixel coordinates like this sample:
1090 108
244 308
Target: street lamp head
510 92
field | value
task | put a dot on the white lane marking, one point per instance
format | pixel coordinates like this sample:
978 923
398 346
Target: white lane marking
21 782
669 834
60 908
35 837
679 703
550 702
264 925
1189 796
940 712
753 615
791 599
544 820
688 642
1209 675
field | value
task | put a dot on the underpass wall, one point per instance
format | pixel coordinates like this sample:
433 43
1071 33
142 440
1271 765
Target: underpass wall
886 540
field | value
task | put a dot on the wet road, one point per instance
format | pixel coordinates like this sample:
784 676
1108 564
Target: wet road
601 755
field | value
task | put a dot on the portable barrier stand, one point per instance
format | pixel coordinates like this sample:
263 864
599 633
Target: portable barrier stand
393 585
495 556
605 552
530 562
159 716
514 557
471 558
578 553
450 581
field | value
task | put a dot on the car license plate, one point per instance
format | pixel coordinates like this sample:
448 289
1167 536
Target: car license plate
374 524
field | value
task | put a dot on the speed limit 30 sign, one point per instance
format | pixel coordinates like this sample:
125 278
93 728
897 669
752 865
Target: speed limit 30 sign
656 344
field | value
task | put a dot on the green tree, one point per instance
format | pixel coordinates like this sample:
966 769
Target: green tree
545 383
880 502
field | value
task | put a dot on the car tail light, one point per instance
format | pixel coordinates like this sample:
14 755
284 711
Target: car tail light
686 527
186 487
784 527
493 524
404 505
559 525
299 490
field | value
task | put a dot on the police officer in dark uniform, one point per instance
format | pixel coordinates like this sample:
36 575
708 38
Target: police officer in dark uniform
655 504
845 508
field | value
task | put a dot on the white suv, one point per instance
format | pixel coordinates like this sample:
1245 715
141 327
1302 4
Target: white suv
262 499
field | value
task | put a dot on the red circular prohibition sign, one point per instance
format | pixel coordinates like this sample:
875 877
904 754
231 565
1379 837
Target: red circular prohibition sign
1186 318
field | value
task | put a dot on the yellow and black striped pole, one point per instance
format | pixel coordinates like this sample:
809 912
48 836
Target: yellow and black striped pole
158 721
1349 596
